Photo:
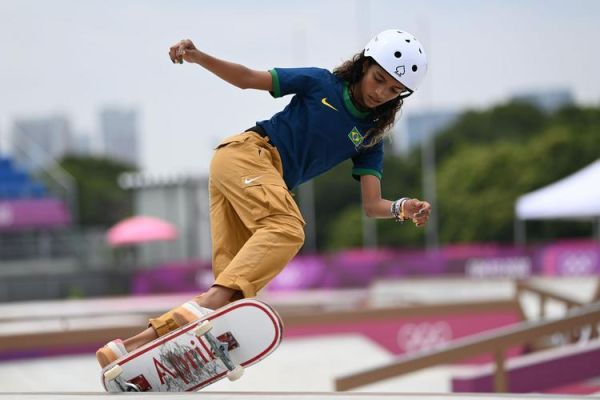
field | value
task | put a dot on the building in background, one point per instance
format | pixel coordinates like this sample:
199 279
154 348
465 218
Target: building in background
82 145
182 201
418 127
36 142
548 100
119 131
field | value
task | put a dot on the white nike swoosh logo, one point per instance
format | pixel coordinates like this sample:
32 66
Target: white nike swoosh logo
249 181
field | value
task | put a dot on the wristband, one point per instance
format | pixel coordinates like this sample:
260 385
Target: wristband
394 209
397 209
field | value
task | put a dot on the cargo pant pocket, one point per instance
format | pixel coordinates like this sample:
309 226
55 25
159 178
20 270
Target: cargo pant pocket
271 197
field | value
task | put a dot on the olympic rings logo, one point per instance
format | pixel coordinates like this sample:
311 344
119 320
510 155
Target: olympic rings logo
423 336
578 263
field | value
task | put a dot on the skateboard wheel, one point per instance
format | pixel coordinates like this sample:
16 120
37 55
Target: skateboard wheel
113 373
236 373
203 328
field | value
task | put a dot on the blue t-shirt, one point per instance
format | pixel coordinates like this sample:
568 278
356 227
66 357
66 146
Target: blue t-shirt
320 127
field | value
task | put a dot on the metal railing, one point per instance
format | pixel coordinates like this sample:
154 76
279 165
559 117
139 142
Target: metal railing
86 247
496 342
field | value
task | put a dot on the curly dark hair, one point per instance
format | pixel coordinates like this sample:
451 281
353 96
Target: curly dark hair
384 115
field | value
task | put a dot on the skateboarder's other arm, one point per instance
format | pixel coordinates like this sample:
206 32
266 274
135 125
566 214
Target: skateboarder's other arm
377 207
236 74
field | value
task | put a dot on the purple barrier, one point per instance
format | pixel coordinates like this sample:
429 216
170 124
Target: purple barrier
354 267
306 272
49 352
22 214
400 334
488 261
187 276
413 263
360 267
570 258
347 269
536 372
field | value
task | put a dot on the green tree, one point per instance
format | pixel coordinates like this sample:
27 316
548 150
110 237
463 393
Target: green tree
402 178
346 229
336 193
479 183
513 121
476 193
485 161
101 201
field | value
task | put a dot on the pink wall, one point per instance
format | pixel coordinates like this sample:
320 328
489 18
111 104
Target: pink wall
404 335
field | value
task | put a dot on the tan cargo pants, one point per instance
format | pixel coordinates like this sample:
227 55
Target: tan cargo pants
256 226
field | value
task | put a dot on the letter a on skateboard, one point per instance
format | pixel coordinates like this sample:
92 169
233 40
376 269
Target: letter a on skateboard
219 345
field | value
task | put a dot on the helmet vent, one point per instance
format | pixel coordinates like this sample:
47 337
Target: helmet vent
420 50
407 40
398 54
414 68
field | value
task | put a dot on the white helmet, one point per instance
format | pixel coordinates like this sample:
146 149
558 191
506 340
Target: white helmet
401 55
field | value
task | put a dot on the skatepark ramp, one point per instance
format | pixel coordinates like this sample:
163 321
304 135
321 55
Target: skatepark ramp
561 366
81 326
496 342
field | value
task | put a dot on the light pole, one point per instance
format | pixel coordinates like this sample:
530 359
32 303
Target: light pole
430 191
363 22
428 157
306 191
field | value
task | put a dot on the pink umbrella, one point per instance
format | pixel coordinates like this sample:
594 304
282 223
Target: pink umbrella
140 230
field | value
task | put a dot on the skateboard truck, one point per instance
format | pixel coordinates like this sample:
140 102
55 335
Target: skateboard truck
114 375
219 350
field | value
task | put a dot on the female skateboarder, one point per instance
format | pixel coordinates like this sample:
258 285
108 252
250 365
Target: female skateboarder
256 227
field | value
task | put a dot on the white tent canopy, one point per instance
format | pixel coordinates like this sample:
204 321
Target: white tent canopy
575 197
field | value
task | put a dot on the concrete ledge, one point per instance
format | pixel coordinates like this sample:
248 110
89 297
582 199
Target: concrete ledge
537 372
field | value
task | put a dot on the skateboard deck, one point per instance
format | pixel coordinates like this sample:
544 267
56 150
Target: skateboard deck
187 359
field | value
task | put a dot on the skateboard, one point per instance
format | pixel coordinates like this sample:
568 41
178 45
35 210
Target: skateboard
219 345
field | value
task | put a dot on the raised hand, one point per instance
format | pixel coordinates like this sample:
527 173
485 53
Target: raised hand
417 211
181 51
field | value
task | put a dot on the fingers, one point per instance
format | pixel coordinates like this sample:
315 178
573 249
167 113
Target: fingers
180 53
178 50
174 54
423 208
421 215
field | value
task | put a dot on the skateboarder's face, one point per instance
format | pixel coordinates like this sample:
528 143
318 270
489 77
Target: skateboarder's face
376 87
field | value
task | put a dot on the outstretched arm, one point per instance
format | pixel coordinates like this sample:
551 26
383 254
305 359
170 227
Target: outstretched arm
376 207
236 74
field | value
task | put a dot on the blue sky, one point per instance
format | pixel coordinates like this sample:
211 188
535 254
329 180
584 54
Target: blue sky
73 57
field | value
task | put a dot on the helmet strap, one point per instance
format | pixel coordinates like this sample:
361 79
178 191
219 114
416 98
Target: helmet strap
405 95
